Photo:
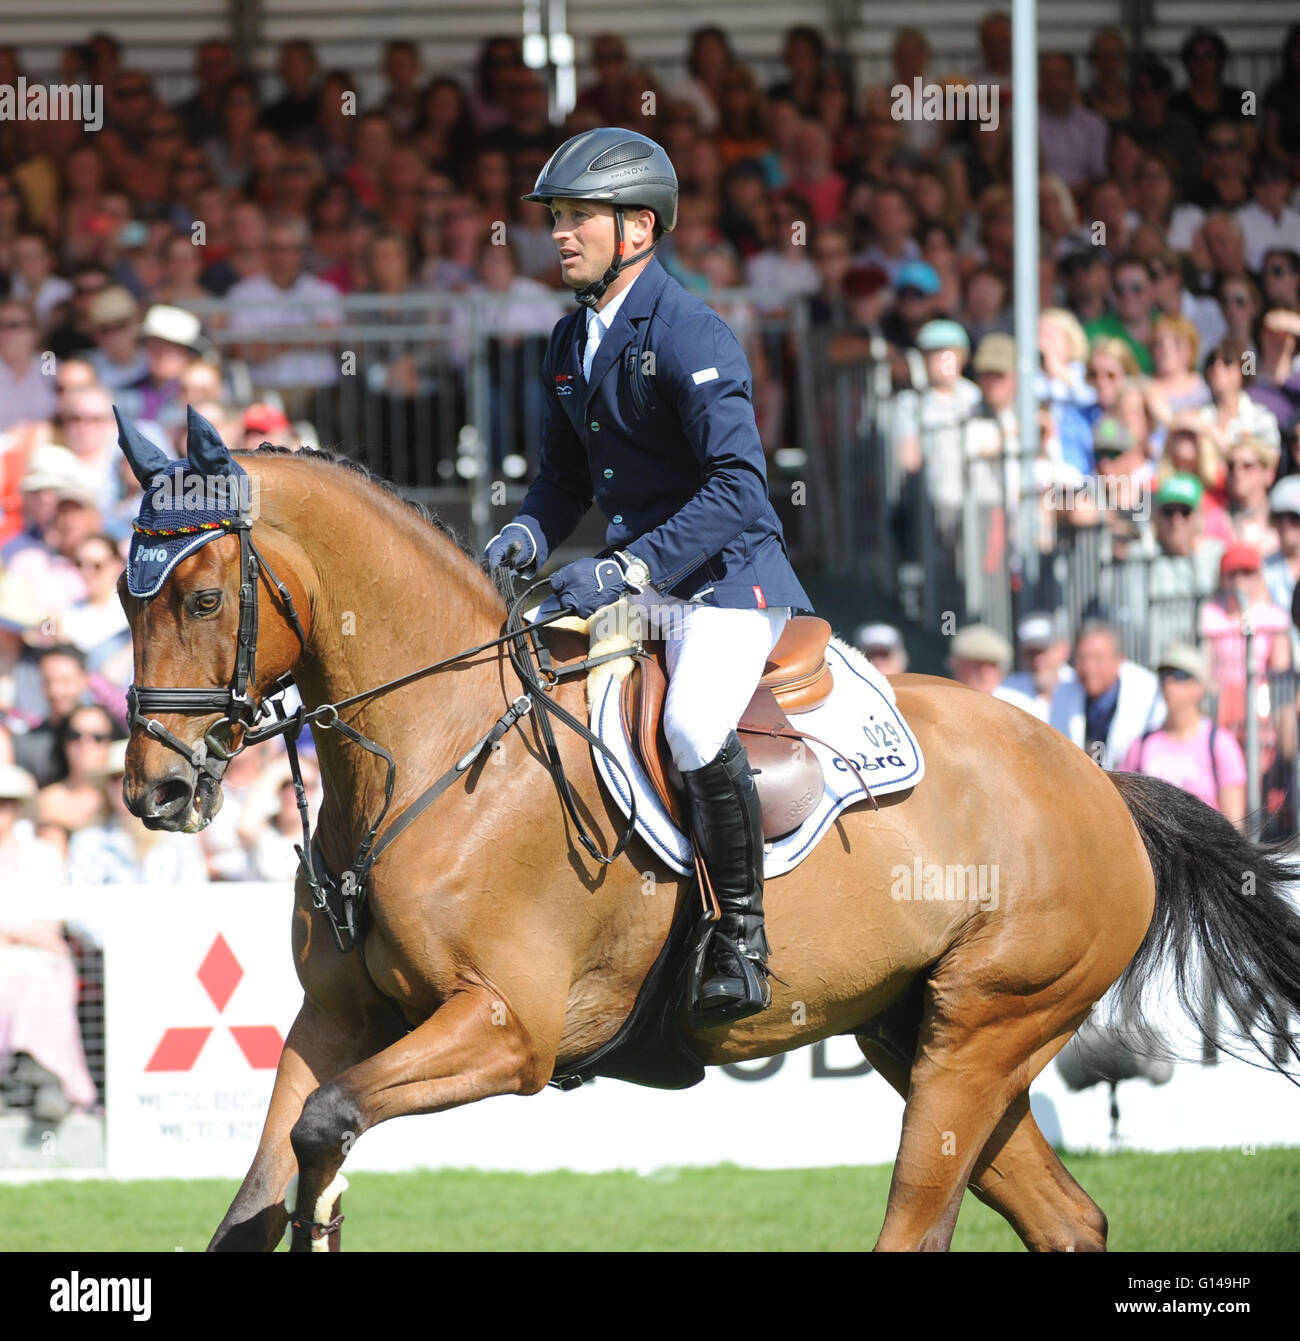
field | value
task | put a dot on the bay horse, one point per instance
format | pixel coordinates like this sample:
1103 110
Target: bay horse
497 950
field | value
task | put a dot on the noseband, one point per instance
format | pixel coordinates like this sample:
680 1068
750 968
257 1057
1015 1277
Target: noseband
210 755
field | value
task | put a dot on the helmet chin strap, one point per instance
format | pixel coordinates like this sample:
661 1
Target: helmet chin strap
595 291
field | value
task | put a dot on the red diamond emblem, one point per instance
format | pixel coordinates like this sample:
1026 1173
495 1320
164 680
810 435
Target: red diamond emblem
220 973
261 1045
178 1049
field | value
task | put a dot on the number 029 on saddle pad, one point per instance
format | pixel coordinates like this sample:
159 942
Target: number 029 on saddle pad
823 722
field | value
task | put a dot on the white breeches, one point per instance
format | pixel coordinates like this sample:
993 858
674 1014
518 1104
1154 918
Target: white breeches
715 660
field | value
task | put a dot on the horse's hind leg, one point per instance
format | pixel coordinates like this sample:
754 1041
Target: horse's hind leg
1019 1175
977 1051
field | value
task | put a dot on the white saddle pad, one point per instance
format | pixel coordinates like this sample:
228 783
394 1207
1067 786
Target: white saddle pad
860 718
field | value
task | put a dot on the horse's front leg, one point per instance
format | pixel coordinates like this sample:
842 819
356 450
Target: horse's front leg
318 1048
474 1046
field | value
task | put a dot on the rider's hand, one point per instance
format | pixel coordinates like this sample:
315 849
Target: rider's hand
587 585
519 545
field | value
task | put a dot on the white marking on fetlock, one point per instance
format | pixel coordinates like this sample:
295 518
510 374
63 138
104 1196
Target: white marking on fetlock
290 1205
324 1204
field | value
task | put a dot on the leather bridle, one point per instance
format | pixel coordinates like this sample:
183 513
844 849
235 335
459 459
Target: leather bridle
211 755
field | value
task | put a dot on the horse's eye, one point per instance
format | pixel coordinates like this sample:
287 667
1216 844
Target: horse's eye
205 602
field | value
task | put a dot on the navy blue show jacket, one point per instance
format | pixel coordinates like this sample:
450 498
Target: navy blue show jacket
663 439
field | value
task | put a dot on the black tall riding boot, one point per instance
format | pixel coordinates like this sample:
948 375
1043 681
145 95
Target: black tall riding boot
727 829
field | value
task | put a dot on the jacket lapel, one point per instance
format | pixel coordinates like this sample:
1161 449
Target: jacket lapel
635 308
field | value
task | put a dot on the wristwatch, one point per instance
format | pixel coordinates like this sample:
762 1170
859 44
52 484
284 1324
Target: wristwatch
635 572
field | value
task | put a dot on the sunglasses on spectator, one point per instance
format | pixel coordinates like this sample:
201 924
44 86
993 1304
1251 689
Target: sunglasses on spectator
1175 673
99 737
1109 453
1172 510
1291 518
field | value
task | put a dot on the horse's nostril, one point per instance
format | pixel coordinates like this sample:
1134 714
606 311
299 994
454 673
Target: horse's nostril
169 797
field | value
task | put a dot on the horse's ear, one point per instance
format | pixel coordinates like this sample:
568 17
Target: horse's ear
146 460
204 448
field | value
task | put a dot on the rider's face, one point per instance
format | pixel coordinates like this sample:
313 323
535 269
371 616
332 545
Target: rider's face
585 237
583 232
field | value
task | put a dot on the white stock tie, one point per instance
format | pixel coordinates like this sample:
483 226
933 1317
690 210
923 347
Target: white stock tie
595 330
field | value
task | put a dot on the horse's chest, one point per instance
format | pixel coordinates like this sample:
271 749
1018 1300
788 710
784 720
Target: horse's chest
417 978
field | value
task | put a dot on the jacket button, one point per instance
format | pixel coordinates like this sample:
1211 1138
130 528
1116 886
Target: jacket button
616 518
609 474
594 426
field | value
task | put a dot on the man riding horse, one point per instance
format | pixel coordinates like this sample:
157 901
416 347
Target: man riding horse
648 413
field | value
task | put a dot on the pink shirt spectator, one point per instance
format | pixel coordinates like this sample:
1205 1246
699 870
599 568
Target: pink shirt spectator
1187 764
1227 645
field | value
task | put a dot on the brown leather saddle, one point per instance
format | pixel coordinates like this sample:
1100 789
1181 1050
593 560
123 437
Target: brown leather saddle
789 775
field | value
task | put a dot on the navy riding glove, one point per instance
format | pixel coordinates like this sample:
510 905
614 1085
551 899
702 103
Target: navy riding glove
587 585
520 545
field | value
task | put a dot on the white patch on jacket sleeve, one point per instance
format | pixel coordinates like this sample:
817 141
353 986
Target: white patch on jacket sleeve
704 375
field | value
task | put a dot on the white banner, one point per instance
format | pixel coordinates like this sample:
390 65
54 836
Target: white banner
200 993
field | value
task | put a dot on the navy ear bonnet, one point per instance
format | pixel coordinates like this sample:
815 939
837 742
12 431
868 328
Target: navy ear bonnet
186 503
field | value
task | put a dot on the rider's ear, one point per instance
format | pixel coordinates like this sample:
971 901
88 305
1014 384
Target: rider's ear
204 447
145 459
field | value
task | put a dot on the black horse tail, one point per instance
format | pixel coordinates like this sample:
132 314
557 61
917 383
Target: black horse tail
1222 920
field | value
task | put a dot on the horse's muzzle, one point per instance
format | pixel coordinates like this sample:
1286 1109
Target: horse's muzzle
175 801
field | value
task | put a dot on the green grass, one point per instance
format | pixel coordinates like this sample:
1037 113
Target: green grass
1202 1200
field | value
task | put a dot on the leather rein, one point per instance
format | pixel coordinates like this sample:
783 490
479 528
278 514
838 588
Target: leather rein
342 901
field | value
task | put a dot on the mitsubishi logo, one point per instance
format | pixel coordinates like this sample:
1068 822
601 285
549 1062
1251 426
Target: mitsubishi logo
220 974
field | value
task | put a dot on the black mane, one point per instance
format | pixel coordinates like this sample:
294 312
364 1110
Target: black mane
349 463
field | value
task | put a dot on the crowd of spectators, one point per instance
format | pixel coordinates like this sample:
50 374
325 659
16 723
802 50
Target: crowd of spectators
1168 343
